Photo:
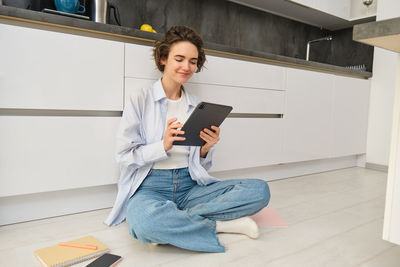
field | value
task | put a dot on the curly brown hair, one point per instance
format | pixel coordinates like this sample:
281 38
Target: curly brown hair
178 34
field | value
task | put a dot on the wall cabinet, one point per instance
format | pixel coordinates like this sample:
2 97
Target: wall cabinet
345 9
338 8
50 70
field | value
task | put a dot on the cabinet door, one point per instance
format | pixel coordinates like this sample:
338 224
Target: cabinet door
350 116
49 153
243 100
248 142
139 62
50 70
308 115
338 8
233 72
308 3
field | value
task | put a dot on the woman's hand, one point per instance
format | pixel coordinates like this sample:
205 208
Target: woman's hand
211 138
171 132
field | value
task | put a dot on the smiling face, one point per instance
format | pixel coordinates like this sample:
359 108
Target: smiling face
181 62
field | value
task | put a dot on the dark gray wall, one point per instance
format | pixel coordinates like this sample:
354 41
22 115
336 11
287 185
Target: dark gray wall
227 23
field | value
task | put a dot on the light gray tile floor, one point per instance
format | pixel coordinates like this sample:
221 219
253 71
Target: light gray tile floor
335 219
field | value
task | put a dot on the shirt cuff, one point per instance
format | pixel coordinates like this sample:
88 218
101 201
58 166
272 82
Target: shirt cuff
207 161
154 152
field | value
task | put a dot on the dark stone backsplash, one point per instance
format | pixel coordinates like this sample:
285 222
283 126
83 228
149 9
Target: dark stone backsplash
222 22
227 23
343 51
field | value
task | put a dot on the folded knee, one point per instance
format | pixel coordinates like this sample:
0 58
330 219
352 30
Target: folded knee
264 191
145 220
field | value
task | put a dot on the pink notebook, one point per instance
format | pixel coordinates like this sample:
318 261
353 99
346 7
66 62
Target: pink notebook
268 217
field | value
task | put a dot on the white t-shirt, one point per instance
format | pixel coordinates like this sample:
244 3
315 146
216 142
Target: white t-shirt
178 156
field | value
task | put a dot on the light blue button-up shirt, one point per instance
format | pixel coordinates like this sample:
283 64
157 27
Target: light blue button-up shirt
140 144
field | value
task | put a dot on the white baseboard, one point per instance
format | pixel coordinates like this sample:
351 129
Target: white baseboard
377 167
286 170
24 208
362 160
30 207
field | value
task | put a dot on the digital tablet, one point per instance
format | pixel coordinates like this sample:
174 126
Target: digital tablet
204 115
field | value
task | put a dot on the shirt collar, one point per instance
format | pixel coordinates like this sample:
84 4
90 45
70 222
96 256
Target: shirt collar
159 93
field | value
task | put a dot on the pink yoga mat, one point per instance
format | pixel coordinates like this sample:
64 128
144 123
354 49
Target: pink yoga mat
268 217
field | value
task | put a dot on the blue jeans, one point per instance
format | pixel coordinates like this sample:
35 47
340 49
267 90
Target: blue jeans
170 208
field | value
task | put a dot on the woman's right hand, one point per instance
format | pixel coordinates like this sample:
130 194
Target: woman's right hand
170 134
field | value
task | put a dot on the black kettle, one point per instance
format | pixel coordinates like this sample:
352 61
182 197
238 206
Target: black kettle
100 12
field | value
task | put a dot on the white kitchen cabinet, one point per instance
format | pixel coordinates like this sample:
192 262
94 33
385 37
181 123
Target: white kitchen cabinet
49 153
308 3
243 100
245 142
359 11
50 70
248 142
233 72
139 62
349 116
307 118
338 8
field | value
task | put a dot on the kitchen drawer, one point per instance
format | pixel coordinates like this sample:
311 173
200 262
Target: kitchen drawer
47 153
234 72
51 70
243 100
248 142
139 62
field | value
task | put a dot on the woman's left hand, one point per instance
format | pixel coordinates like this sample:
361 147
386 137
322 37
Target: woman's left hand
211 138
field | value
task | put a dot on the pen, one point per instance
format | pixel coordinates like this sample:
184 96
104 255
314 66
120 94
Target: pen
78 246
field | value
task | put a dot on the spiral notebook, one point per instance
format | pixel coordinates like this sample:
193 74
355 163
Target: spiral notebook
59 256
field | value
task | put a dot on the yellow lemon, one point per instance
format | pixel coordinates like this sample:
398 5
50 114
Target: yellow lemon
146 28
154 31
